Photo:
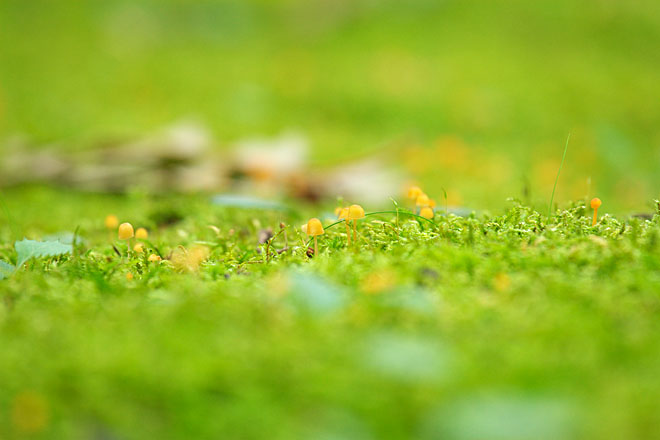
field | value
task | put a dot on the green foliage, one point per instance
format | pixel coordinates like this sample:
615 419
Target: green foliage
496 325
6 269
27 249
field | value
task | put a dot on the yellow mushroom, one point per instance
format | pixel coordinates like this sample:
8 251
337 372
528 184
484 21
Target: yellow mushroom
138 248
154 258
414 192
426 212
595 204
314 228
111 221
422 200
126 231
355 212
141 233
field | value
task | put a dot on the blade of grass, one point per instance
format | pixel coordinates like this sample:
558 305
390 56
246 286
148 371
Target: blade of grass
554 188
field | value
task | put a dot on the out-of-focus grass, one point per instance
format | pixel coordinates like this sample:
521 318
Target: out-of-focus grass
509 78
486 327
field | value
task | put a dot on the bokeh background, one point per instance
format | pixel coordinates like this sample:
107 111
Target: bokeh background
476 97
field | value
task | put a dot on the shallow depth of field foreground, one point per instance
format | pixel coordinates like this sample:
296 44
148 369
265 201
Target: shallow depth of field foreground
310 219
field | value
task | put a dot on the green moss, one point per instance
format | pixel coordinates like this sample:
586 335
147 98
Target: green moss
505 323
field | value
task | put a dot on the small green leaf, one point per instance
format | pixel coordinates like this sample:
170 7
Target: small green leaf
27 249
6 270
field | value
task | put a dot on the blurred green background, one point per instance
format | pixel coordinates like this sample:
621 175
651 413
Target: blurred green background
477 96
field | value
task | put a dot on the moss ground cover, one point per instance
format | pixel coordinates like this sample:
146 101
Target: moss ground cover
509 326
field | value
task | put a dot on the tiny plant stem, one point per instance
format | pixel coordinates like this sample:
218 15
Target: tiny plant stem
595 217
74 241
396 208
554 188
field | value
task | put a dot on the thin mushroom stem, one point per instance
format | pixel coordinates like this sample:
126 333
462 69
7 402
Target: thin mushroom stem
348 233
595 204
316 245
354 231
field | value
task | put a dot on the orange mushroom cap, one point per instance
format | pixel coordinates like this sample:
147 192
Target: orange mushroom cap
355 212
414 192
595 203
426 212
314 227
423 200
111 221
125 231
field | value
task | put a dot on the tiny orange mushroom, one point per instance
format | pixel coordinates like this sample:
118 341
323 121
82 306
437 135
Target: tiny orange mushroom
125 231
423 200
426 212
414 192
314 228
355 212
595 204
111 221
